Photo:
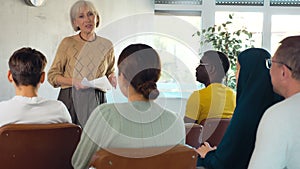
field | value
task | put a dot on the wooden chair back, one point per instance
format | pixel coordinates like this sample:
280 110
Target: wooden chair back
193 134
38 146
214 130
176 157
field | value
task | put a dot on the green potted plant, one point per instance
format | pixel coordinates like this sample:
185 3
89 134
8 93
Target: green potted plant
229 41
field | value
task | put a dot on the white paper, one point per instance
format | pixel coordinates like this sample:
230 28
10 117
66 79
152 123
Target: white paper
101 83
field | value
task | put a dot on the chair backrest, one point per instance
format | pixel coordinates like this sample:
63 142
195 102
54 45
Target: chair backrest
214 130
193 134
176 157
38 146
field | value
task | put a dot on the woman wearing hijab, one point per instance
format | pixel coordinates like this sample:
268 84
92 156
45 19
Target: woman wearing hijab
254 95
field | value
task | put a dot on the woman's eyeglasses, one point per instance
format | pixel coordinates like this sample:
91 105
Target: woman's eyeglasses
269 64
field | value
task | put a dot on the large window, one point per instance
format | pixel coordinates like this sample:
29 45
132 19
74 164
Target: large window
174 22
269 20
179 57
253 21
170 33
283 26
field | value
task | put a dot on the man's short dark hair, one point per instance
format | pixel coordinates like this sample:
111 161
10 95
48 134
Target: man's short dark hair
211 55
26 66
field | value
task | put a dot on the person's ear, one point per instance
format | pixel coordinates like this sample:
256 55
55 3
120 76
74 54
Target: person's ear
211 69
42 78
123 84
286 72
75 23
123 80
9 76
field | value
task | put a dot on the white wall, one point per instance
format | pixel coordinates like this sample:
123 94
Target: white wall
44 27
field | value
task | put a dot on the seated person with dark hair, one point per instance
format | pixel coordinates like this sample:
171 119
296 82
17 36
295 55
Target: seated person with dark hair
215 100
26 73
138 123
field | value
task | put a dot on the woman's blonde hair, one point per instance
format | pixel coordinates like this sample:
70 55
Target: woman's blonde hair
75 9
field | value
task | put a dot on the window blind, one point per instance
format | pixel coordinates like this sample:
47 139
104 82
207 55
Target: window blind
284 2
240 2
179 2
177 13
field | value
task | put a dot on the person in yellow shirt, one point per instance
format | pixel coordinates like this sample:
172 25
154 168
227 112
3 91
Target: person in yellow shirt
215 100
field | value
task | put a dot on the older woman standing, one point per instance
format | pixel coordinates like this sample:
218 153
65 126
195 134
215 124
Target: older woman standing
84 55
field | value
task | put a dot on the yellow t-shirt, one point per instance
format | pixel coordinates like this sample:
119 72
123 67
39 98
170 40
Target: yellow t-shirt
214 101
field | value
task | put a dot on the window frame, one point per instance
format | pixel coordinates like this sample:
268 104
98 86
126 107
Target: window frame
209 7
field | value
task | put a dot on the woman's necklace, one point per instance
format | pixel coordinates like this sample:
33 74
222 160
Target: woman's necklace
85 39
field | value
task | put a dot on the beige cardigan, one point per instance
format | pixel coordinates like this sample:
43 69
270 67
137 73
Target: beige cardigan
76 58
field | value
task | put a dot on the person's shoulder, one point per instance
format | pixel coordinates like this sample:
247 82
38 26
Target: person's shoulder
277 111
106 106
68 43
104 41
58 103
158 108
288 105
220 85
195 94
60 107
6 103
69 39
173 117
198 92
206 91
42 99
229 90
207 88
14 99
105 109
276 114
171 113
49 102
